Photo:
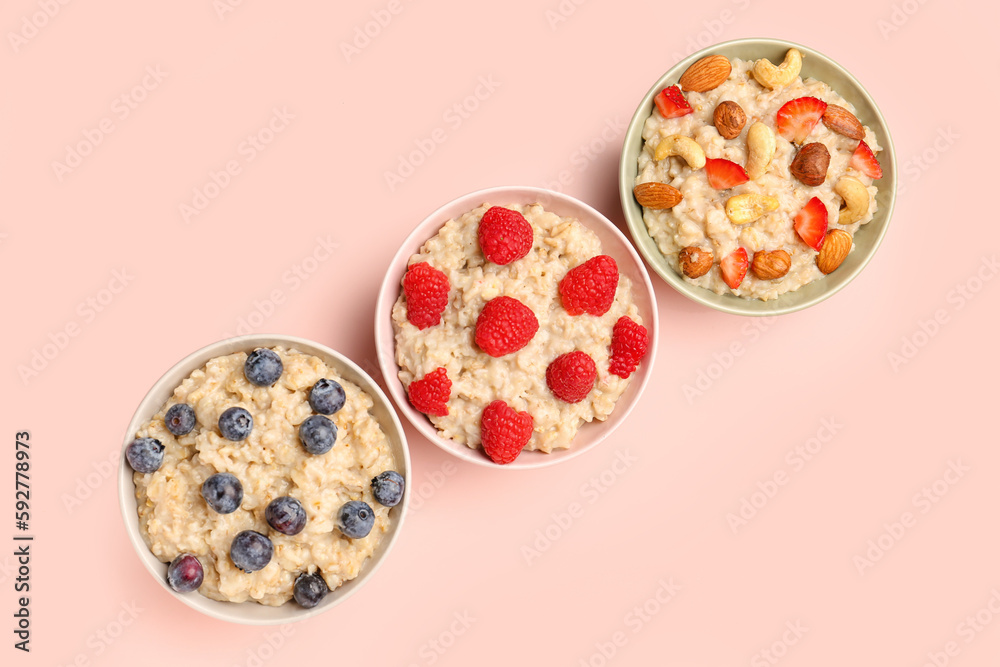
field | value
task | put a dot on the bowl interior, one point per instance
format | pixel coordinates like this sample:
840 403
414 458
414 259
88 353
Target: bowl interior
867 238
613 243
250 612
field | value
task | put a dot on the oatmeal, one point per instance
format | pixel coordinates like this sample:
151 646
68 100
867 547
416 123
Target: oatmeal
502 285
753 173
236 488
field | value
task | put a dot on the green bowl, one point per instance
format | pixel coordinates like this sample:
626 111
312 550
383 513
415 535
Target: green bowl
866 239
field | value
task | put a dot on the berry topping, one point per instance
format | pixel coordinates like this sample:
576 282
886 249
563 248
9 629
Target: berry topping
251 551
430 394
590 287
426 291
504 235
629 342
286 515
734 267
326 397
263 367
145 455
222 492
504 326
671 103
355 519
185 573
811 222
797 118
724 174
505 431
865 161
318 434
235 424
180 419
571 376
309 590
388 488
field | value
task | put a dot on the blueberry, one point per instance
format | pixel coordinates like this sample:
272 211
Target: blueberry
145 454
388 488
223 492
263 367
185 573
251 551
235 424
286 515
318 434
180 419
326 397
310 589
355 519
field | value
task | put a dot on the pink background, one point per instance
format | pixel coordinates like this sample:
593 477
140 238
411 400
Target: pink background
559 98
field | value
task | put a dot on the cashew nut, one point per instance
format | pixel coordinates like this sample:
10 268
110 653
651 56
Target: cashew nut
681 146
856 200
742 209
775 77
760 150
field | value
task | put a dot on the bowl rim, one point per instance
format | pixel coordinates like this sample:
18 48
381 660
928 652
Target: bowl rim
729 302
389 292
226 611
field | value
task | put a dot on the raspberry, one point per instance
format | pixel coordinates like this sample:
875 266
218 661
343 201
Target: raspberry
571 376
430 394
628 346
426 291
505 325
590 287
504 235
505 431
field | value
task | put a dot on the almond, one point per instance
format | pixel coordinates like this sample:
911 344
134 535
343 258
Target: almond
771 264
695 262
842 121
810 164
729 119
834 250
706 74
657 195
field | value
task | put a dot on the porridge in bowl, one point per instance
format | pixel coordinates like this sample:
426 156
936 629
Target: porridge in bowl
266 478
513 330
753 180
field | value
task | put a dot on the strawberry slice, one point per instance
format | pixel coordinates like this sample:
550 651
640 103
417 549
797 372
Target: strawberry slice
734 267
865 161
725 174
811 222
797 118
671 103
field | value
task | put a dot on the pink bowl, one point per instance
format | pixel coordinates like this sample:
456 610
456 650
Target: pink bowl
613 242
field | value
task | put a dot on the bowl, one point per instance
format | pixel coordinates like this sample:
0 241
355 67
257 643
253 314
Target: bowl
867 238
613 242
252 613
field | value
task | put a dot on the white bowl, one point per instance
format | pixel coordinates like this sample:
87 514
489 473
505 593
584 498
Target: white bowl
613 243
252 613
